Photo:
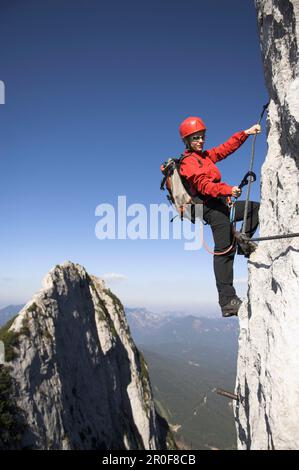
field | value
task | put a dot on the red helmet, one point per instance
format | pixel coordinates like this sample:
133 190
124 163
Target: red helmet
190 125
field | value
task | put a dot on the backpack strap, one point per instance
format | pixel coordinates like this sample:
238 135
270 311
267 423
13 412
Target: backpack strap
198 198
167 170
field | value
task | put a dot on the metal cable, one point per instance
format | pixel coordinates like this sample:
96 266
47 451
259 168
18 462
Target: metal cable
251 169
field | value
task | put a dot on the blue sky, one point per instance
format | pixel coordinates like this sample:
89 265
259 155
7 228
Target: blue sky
94 95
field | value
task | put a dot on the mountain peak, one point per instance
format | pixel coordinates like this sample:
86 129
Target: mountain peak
76 378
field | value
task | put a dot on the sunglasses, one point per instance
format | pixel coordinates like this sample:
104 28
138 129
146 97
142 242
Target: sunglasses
195 138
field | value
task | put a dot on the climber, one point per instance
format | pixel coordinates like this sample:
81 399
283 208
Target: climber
203 179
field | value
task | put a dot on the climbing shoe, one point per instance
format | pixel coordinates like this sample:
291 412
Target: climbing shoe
245 245
232 307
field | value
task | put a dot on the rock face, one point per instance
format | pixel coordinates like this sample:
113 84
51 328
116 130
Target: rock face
268 362
74 379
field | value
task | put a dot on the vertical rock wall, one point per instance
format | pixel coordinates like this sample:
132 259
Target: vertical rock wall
268 362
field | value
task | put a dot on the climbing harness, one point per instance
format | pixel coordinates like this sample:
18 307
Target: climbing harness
250 176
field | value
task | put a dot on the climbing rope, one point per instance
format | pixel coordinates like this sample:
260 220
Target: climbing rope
250 170
219 253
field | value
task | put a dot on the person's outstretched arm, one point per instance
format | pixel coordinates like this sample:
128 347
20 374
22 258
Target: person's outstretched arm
217 154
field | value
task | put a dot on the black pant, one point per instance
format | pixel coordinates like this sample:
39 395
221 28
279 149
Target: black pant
216 214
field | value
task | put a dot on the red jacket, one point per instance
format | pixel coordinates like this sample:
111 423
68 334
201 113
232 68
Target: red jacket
201 173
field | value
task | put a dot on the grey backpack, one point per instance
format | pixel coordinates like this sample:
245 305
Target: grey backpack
187 206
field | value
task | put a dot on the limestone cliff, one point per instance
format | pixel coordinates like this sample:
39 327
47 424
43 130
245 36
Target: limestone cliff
268 362
73 377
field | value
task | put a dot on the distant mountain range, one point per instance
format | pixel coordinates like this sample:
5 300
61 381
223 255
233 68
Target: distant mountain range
148 327
190 357
8 312
140 318
143 321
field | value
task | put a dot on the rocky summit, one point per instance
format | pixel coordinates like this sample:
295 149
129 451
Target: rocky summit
73 377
